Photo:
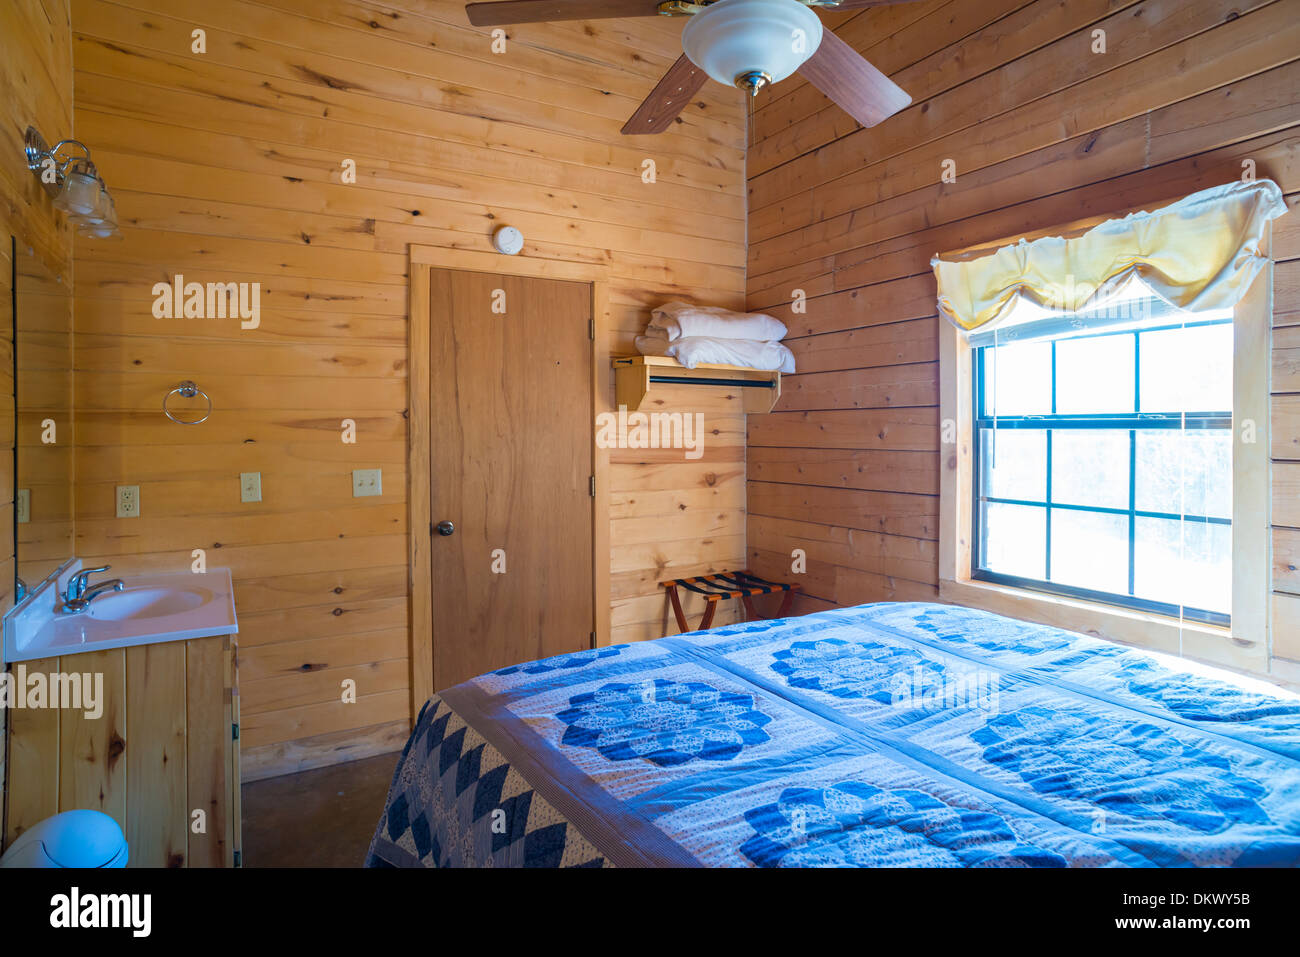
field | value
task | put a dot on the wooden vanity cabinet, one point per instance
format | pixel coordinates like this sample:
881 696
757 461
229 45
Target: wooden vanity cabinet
165 747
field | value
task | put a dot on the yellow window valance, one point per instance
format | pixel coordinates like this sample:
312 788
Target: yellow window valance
1199 253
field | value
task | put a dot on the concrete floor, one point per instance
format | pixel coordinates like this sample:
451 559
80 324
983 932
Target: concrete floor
321 818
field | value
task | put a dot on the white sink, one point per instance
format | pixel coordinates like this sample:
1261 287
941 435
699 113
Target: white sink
150 609
146 602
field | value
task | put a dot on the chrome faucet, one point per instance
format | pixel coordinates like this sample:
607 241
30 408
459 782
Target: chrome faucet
77 596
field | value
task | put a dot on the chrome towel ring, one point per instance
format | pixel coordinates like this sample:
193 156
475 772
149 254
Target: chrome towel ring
187 390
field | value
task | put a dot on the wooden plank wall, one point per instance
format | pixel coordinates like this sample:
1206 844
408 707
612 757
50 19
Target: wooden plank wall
35 89
44 434
1042 131
227 166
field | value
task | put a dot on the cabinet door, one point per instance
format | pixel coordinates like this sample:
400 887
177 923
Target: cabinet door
157 815
208 734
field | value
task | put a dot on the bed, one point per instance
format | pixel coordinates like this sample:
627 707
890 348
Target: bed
892 734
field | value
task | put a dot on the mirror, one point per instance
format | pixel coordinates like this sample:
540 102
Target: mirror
42 316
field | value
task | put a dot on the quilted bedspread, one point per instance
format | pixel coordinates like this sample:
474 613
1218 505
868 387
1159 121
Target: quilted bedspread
895 734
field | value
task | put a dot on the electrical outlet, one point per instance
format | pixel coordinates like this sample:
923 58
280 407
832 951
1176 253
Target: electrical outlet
23 506
250 486
367 482
128 501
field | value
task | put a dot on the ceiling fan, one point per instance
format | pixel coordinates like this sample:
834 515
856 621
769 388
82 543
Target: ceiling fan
747 43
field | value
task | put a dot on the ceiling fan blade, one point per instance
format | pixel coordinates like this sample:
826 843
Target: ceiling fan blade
667 100
538 11
852 83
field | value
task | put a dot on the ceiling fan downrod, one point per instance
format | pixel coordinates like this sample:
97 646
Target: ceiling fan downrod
751 81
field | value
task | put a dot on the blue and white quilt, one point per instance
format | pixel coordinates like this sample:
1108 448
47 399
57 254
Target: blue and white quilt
894 734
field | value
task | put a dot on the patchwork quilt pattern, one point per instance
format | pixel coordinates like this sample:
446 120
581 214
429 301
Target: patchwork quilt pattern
455 801
894 734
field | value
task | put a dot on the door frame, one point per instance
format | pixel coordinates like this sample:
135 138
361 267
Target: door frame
418 479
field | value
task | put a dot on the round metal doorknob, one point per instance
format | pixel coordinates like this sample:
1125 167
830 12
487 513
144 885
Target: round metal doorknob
446 528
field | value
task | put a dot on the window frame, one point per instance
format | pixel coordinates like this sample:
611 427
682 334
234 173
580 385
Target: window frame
1244 643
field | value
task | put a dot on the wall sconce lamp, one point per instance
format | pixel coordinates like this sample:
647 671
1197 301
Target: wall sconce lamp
71 178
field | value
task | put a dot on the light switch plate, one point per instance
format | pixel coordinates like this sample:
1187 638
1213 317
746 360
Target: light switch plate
250 486
367 482
23 506
128 501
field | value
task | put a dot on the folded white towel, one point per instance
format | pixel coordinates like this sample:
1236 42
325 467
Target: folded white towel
680 320
692 350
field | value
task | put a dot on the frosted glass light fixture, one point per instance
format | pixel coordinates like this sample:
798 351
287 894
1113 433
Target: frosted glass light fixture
74 183
102 223
99 212
752 43
81 190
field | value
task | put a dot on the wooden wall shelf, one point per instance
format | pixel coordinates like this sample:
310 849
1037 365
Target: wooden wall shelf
636 376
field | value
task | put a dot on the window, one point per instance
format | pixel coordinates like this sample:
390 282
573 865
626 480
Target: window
1106 470
1102 456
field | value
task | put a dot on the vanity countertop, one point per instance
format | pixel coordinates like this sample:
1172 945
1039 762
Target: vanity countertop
154 608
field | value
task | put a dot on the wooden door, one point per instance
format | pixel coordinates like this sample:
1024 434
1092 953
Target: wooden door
510 466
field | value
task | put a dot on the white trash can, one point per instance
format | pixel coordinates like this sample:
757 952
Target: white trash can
70 839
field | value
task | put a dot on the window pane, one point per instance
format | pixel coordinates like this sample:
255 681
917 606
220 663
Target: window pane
1015 539
1018 379
1184 563
1015 463
1094 374
1185 472
1090 550
1090 467
1187 370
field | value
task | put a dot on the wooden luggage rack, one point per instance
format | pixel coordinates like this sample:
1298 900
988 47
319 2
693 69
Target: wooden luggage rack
724 585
